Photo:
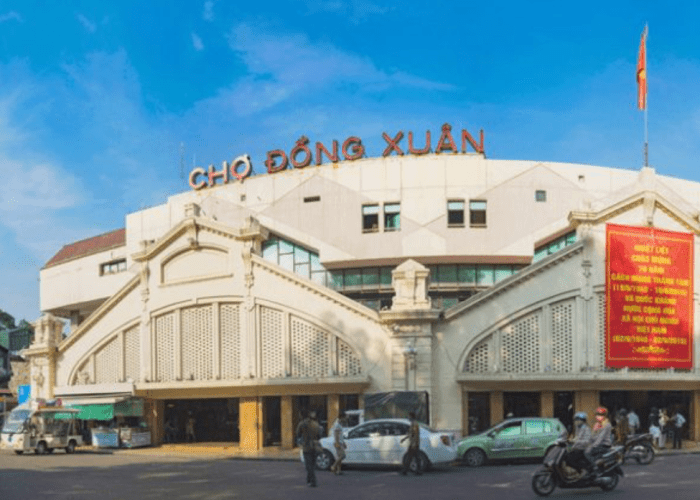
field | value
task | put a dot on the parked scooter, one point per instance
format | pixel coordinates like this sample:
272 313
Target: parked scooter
556 472
641 448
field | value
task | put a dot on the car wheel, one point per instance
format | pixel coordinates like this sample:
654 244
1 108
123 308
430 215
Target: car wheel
19 452
71 447
41 448
324 460
49 451
420 465
474 457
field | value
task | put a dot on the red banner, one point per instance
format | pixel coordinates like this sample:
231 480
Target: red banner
649 298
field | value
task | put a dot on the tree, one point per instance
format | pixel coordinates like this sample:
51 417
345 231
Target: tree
7 321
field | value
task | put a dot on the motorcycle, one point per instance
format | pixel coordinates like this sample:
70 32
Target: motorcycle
556 472
641 448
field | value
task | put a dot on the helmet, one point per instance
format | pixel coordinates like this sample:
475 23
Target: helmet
601 410
581 416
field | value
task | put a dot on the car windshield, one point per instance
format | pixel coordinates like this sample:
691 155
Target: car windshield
15 421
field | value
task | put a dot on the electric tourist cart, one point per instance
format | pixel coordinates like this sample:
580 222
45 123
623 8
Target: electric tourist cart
41 430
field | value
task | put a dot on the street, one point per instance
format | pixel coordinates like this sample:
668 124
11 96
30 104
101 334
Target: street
120 475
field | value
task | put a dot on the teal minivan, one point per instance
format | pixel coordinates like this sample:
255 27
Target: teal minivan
527 437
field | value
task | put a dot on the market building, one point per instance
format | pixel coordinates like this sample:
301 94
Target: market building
480 282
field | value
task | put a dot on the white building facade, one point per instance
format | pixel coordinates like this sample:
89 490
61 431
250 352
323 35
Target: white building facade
479 282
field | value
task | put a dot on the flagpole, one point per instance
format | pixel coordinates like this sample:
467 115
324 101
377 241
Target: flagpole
646 100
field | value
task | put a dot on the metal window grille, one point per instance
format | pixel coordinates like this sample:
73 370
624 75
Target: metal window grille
107 362
197 343
132 353
601 331
348 362
562 336
310 349
230 341
520 351
165 347
478 359
271 331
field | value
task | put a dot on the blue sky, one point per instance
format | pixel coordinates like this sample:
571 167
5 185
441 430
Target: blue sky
96 98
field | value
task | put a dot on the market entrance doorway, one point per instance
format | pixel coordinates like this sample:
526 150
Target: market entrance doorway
272 421
211 420
521 404
642 403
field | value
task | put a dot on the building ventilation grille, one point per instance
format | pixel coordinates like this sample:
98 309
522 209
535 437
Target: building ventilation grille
601 331
132 353
478 359
107 362
520 351
165 347
310 350
562 336
230 341
348 362
272 332
197 343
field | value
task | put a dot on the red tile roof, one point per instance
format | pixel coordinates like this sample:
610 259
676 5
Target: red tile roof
89 246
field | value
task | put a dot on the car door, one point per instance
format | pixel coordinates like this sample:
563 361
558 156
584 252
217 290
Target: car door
507 440
359 443
538 435
394 449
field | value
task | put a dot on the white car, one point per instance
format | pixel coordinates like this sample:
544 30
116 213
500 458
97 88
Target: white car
379 442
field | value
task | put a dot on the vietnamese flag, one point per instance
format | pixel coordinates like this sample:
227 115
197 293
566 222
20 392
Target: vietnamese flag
642 72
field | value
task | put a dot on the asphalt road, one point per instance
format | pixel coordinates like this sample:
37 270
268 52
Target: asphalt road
124 476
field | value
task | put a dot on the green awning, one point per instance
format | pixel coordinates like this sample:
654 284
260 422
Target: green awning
107 411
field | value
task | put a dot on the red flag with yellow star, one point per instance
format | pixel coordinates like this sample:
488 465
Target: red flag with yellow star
642 72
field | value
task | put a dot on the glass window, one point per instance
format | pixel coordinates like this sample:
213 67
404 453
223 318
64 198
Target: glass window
540 195
337 280
467 274
385 276
502 272
301 255
447 274
392 216
477 213
287 261
315 262
571 238
370 218
353 277
448 302
370 277
540 253
485 275
555 246
286 246
319 277
302 269
455 213
511 430
269 250
534 427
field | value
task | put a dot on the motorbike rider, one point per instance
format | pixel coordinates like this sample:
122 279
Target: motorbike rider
582 437
602 437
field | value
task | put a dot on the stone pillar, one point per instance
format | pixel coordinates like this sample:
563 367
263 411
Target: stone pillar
465 412
287 422
332 410
586 401
547 404
154 413
694 417
250 424
41 355
496 404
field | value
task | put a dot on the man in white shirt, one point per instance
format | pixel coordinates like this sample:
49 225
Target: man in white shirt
633 421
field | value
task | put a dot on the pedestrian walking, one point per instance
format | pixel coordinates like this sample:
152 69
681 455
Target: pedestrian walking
339 444
654 426
663 427
308 432
633 421
412 453
189 429
678 423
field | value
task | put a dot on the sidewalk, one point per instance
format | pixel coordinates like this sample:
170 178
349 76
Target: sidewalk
234 452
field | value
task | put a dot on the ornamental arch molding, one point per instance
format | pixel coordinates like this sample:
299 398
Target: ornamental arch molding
538 340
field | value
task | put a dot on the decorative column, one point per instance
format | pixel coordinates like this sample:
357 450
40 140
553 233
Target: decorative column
42 353
409 324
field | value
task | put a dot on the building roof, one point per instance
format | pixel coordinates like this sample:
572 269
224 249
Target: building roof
89 246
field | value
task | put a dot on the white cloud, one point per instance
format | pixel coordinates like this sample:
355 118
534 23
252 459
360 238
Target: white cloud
208 13
89 25
285 65
12 15
197 42
354 11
